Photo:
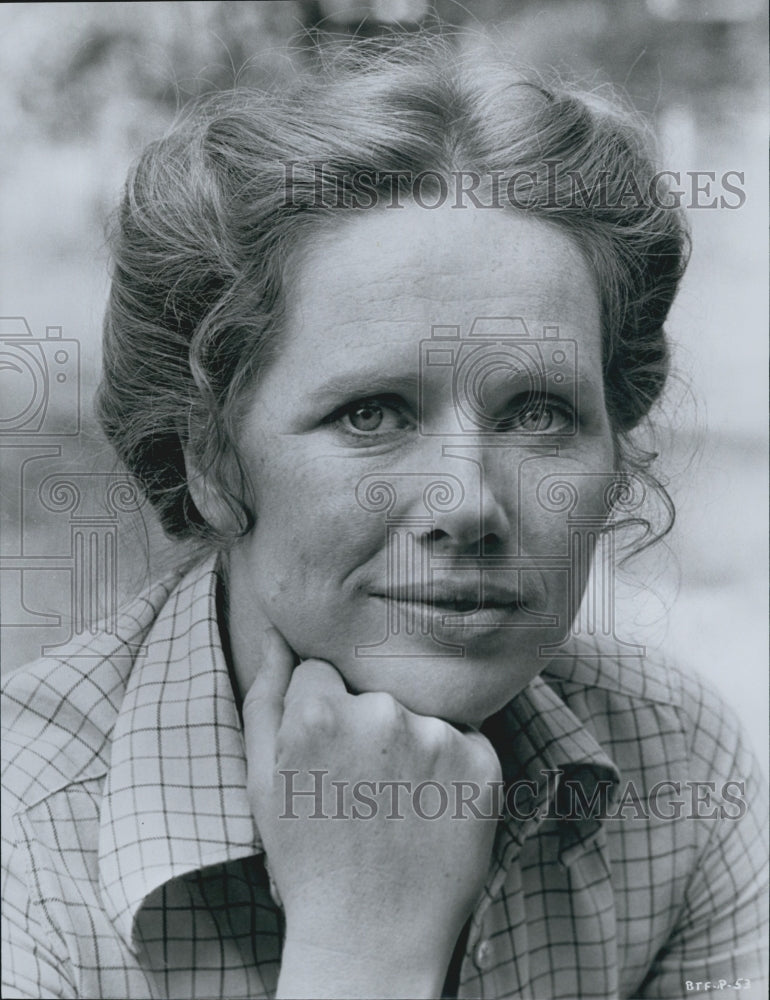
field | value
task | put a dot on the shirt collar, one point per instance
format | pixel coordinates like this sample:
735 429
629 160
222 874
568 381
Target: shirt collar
541 743
537 733
175 796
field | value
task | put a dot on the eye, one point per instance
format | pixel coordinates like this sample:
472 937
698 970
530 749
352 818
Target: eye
366 416
541 416
375 416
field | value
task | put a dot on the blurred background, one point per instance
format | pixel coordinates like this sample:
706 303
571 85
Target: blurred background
86 85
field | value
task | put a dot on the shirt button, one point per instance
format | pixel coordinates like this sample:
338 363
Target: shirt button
484 954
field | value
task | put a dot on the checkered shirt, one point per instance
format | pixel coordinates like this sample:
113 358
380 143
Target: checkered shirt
132 866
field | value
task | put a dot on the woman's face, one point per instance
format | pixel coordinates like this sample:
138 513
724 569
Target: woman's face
440 584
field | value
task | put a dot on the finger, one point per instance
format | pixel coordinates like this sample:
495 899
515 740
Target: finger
463 727
485 753
314 680
263 704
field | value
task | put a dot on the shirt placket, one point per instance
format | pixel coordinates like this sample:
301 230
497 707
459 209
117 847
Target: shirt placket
497 939
496 961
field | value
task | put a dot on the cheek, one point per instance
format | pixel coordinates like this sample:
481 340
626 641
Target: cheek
307 577
310 528
558 499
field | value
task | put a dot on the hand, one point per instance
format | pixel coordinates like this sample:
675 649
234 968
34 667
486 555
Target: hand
373 905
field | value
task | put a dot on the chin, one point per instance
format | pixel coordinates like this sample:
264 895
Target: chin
457 707
446 688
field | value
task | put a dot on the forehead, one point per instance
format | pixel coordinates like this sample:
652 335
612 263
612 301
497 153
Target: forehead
382 278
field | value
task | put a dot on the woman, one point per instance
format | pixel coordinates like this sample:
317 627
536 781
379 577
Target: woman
381 347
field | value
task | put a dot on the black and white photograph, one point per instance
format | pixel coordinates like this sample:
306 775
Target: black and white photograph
383 501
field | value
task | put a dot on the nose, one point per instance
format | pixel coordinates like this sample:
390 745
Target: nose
482 523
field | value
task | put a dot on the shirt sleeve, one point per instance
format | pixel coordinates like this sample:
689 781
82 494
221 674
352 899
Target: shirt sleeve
718 944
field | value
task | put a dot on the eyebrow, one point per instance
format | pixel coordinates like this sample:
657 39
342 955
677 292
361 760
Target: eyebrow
571 379
373 382
368 382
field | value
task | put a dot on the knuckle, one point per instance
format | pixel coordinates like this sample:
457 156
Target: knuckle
484 758
314 716
433 737
382 709
310 671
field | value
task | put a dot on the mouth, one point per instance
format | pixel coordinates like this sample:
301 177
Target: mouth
455 597
460 606
450 607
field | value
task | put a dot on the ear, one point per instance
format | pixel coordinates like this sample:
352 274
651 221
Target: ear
206 495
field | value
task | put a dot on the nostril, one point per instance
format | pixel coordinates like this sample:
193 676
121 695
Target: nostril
434 536
491 544
488 545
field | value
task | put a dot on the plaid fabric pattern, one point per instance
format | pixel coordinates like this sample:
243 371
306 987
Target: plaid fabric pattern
132 867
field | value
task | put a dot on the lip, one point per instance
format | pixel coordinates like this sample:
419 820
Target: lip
455 609
456 597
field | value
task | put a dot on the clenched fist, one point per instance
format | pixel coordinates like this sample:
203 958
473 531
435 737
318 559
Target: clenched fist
373 904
